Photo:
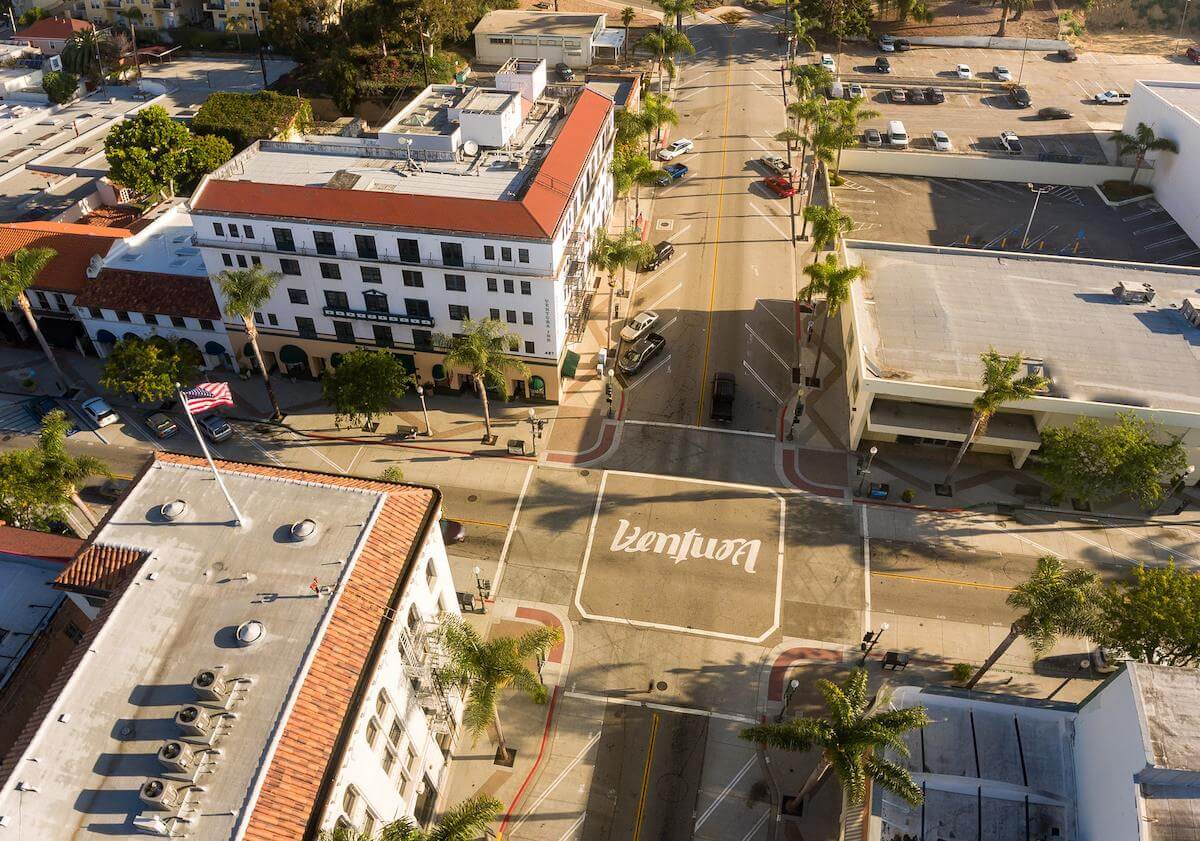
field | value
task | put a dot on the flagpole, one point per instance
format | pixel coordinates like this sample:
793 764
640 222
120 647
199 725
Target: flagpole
237 515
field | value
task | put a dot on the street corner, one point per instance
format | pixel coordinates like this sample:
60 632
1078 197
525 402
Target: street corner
704 558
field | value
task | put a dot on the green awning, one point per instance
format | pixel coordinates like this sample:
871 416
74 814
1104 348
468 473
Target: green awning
570 363
335 359
536 383
439 372
214 348
292 355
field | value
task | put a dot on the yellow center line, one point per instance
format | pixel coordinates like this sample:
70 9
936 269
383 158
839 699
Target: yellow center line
928 580
641 809
712 293
478 522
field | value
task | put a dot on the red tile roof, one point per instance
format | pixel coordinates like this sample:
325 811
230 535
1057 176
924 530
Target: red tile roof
161 294
98 570
537 215
35 544
75 244
54 28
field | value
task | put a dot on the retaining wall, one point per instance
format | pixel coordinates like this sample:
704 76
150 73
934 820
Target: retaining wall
980 168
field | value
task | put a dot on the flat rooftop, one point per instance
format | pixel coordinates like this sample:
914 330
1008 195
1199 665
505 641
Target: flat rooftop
518 21
26 603
426 114
201 578
926 314
1183 95
486 101
164 246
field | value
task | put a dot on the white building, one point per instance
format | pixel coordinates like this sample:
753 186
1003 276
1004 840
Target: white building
569 38
1172 109
155 283
471 203
248 682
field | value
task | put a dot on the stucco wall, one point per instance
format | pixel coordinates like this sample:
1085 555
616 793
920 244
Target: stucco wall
934 165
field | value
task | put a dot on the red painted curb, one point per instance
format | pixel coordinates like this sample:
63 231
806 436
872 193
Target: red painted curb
536 762
320 437
549 620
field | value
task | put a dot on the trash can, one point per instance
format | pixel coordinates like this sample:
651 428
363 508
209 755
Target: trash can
516 446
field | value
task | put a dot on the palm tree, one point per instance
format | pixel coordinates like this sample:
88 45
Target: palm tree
482 351
483 668
1142 140
659 113
131 14
627 16
81 54
465 822
610 253
17 274
1055 601
834 282
829 223
826 137
848 113
632 126
245 291
666 43
800 31
676 8
789 137
629 172
60 469
852 737
999 387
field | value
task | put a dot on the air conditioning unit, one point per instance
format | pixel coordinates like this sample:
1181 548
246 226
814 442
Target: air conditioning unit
150 824
1134 293
178 757
1190 312
162 796
210 686
196 721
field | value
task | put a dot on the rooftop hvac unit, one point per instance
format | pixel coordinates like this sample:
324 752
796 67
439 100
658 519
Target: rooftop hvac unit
1133 293
162 795
1190 312
178 757
151 825
210 686
196 721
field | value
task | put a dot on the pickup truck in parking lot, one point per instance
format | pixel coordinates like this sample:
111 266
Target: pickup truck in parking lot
724 389
1112 98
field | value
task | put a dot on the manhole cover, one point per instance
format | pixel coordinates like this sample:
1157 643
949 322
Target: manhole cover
472 498
661 686
664 224
585 473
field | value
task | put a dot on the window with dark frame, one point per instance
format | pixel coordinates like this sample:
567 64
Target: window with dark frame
383 335
227 259
422 338
456 283
527 318
324 242
283 239
344 331
459 313
506 254
331 271
150 318
337 300
409 250
529 347
248 231
306 327
508 286
241 261
272 319
122 315
452 254
412 277
510 316
289 266
371 274
181 323
218 229
522 255
494 314
416 308
493 285
365 245
526 287
206 325
489 252
298 296
233 232
375 301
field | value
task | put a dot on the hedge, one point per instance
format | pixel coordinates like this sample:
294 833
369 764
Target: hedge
192 38
242 118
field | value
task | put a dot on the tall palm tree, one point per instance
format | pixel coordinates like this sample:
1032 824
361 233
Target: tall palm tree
17 274
131 14
1055 601
483 668
465 822
677 9
659 113
834 282
1142 140
627 16
666 43
611 253
790 137
1000 385
244 292
852 737
848 113
632 126
825 139
62 470
829 223
482 351
631 171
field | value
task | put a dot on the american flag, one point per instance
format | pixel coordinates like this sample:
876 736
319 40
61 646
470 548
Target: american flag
204 396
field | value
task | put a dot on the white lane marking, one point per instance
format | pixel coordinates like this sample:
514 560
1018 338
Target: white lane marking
757 826
650 705
573 828
300 440
257 446
533 807
666 295
679 233
512 527
761 381
768 348
1159 226
1087 540
142 433
1044 549
646 375
763 75
754 140
1165 242
712 807
700 428
883 183
1181 256
679 99
663 329
770 222
350 466
778 320
868 626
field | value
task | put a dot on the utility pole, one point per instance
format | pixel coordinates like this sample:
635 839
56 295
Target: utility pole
262 62
1037 194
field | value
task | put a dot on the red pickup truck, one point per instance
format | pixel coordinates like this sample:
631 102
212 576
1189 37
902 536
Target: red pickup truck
1194 54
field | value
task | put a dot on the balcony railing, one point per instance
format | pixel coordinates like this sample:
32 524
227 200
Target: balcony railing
385 317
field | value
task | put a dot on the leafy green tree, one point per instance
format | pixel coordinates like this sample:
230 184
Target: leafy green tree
839 20
484 668
1095 462
631 170
360 389
828 223
17 274
678 9
341 79
1142 141
834 282
1055 601
206 153
153 154
1000 385
666 44
394 473
918 10
244 291
467 821
847 114
148 370
31 16
659 113
481 349
627 16
60 86
852 738
1152 616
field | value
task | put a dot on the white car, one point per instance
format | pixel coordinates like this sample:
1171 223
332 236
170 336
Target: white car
887 43
1001 73
1010 142
941 141
963 71
1112 98
99 412
675 149
639 325
828 63
856 91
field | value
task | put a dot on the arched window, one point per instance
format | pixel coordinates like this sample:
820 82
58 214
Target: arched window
430 574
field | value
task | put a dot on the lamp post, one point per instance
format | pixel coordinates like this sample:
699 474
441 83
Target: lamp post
865 470
608 390
612 302
424 411
1037 194
535 429
484 588
1177 486
869 641
788 692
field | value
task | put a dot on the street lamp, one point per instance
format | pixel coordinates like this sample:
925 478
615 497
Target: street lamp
484 587
1037 195
865 470
788 692
535 429
869 640
1177 486
608 390
612 302
424 411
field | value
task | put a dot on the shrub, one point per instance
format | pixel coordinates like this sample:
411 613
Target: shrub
909 495
60 86
242 118
961 672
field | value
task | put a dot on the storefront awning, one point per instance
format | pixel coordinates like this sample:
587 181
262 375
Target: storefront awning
570 363
214 348
292 355
951 423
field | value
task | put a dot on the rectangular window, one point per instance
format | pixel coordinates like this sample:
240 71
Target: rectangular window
409 250
150 318
371 274
394 733
383 335
529 347
96 312
389 757
337 300
241 261
258 319
422 338
492 285
375 301
452 254
289 266
283 239
331 271
324 242
74 632
416 308
206 325
233 231
456 283
372 733
365 243
218 229
344 331
256 261
459 312
412 277
248 231
508 285
227 259
506 254
272 320
122 315
306 327
489 252
181 323
298 296
526 287
527 318
522 255
494 314
510 316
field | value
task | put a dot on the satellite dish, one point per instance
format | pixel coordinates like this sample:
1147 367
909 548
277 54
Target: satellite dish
471 148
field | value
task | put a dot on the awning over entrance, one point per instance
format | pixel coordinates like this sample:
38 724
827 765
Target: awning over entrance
951 423
105 338
536 383
570 363
292 355
439 372
214 348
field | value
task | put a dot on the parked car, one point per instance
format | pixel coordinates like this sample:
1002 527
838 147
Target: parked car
916 96
1010 142
780 186
1019 96
645 349
639 325
671 173
663 252
1001 73
775 164
1054 114
828 63
161 425
215 427
887 43
99 412
855 91
1193 53
963 71
872 137
902 44
1068 55
565 74
675 149
882 65
39 407
724 389
897 95
897 134
941 141
1112 98
934 96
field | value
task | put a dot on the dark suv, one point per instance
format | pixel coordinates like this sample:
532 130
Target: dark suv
1019 96
643 350
663 252
934 96
883 65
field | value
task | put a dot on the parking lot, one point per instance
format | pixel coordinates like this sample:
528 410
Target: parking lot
1070 221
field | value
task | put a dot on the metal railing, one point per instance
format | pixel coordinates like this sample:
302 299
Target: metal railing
384 317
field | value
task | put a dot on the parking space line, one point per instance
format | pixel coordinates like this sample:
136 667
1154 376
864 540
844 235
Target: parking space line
1086 540
531 808
512 527
757 825
707 813
1157 227
773 315
573 828
1164 242
666 295
647 375
671 237
770 222
258 447
135 425
761 381
768 348
1194 251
